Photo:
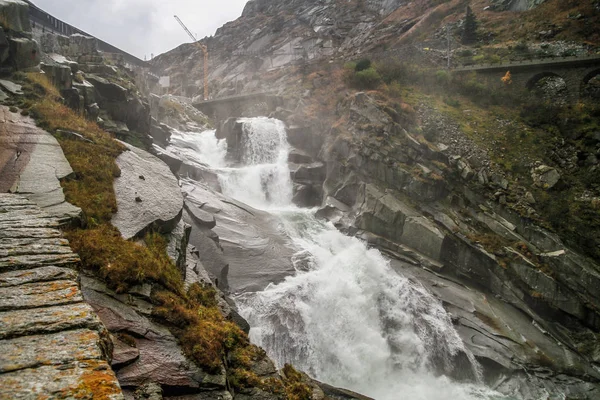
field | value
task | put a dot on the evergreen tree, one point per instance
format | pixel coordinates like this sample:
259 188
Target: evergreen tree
469 34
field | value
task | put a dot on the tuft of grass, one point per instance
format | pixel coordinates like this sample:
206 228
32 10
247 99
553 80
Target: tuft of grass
123 263
42 81
93 161
295 386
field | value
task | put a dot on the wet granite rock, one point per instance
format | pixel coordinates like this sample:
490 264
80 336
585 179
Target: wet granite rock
32 163
201 217
25 53
177 246
108 90
15 15
162 202
545 177
314 172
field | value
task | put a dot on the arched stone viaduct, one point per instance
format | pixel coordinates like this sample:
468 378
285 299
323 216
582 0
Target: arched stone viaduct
575 71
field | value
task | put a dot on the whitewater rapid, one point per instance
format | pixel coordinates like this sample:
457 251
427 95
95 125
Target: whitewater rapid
345 317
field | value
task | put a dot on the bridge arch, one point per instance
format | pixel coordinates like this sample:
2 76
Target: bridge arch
556 88
592 74
534 80
590 85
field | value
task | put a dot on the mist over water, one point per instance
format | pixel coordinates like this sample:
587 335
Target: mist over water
345 317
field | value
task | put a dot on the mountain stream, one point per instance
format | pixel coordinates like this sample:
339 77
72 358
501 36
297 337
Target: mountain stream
345 316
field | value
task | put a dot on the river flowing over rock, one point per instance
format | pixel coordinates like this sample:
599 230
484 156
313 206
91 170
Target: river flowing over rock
341 313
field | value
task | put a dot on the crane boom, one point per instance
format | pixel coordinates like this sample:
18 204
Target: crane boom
204 50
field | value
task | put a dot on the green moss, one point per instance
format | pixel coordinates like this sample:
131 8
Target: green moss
123 263
295 386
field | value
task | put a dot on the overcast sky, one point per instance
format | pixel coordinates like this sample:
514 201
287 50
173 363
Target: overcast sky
143 27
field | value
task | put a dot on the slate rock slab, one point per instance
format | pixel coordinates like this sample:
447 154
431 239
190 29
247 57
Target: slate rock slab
32 164
52 343
148 194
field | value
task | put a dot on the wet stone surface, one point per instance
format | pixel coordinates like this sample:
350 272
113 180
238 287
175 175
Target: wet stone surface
53 344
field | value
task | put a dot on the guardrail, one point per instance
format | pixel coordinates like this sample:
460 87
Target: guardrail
523 63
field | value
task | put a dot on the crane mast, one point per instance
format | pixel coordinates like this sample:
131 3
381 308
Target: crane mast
204 51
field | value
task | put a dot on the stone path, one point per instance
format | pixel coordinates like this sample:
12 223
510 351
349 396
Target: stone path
52 343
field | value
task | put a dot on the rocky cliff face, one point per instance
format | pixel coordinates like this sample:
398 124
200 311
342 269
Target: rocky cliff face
441 208
271 35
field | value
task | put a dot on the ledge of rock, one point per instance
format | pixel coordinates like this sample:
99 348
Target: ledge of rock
52 343
153 354
148 194
32 164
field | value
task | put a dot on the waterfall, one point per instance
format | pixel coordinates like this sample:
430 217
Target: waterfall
263 180
345 317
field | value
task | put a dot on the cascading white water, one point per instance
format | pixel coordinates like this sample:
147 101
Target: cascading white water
263 181
345 317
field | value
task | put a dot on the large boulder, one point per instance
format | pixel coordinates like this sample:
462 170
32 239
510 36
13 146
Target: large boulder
87 91
314 172
59 74
73 99
25 53
108 90
232 131
545 177
121 105
148 194
14 16
70 46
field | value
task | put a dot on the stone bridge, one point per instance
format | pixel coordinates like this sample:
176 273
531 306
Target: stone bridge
575 71
245 105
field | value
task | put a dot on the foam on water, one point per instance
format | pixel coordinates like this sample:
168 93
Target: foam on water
345 317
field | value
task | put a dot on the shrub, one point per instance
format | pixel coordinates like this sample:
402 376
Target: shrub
394 89
442 77
464 53
452 102
392 70
295 387
362 65
367 79
350 66
203 332
494 59
522 47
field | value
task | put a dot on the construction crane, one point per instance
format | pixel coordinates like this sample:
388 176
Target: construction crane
204 50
